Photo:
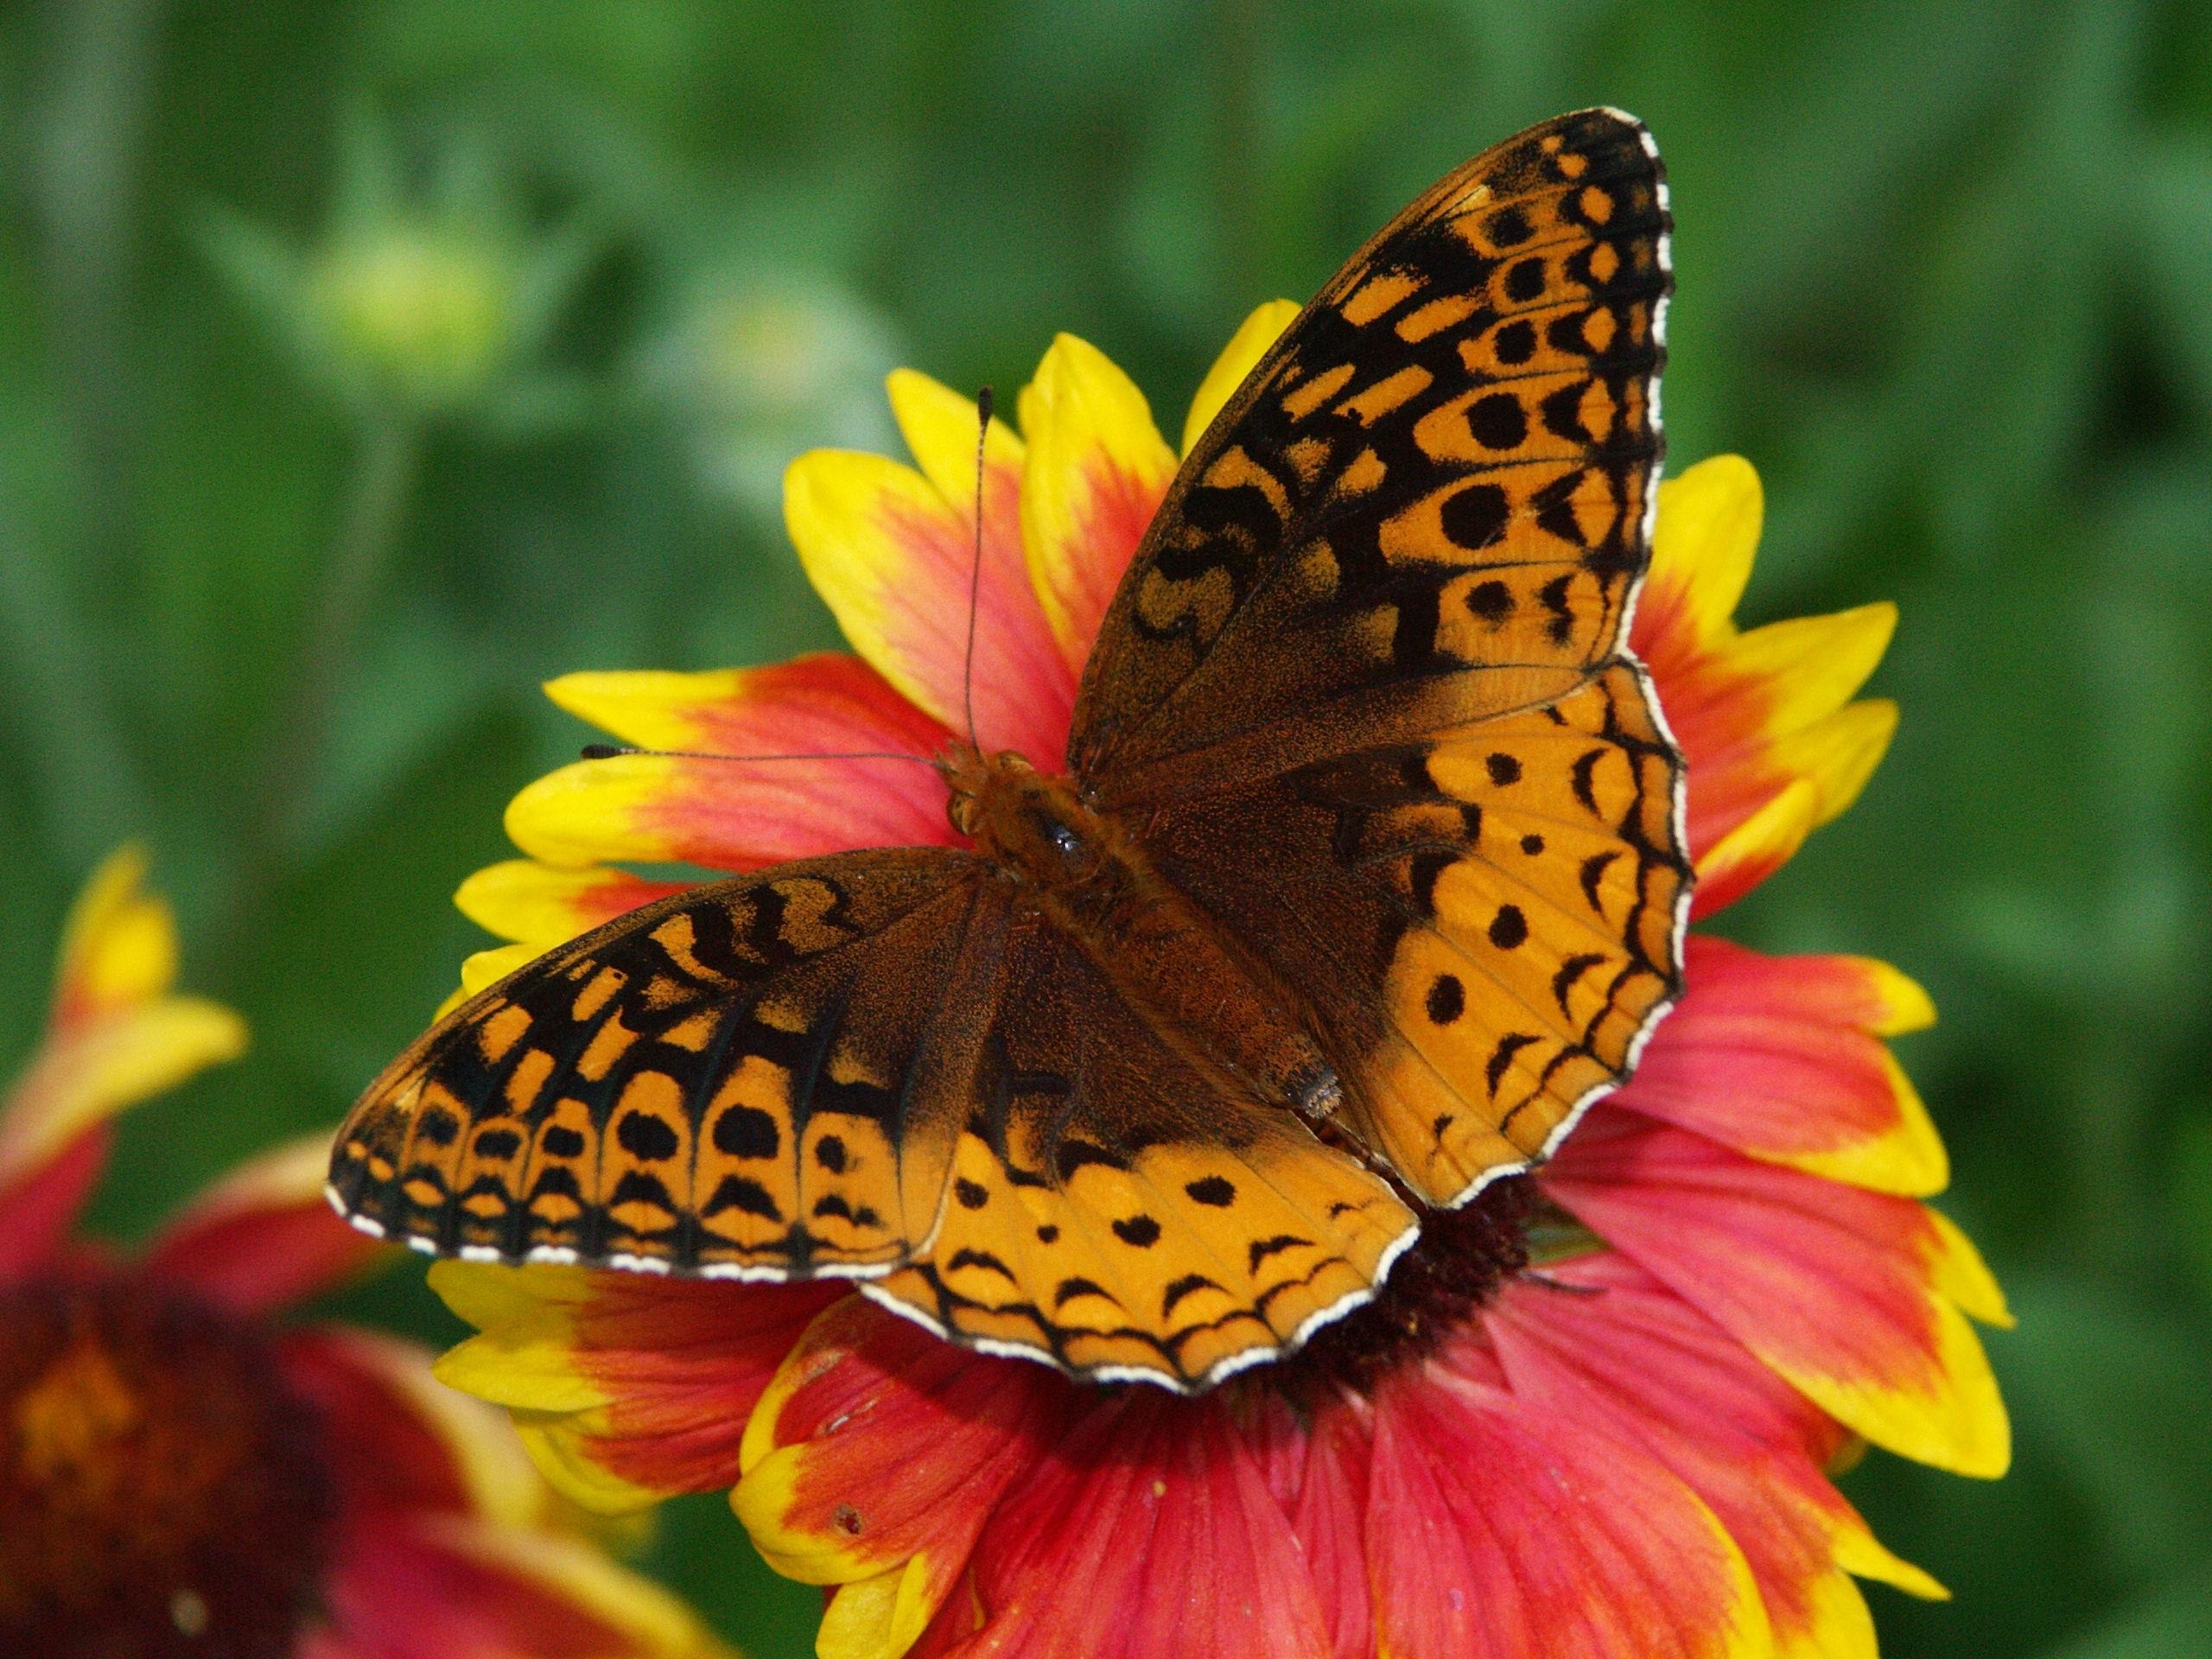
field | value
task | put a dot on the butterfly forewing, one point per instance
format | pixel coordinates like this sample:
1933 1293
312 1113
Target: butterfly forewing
1365 687
1429 501
746 1079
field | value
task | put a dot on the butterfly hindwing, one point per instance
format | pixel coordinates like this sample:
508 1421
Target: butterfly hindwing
744 1080
1365 689
1483 920
1120 1209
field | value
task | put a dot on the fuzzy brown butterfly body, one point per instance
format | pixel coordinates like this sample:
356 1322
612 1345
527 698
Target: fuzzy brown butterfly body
1364 878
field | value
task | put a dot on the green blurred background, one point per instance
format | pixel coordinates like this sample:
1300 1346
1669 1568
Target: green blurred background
363 364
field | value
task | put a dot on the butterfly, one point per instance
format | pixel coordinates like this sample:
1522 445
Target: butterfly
1363 877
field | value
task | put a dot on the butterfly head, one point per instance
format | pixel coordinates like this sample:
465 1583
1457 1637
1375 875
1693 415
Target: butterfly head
1032 824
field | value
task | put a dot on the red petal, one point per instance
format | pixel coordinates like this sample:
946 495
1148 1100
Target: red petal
264 1237
727 814
1317 1469
1779 1057
414 1587
685 1361
1620 1349
877 1442
381 1451
1149 1533
1496 1532
39 1208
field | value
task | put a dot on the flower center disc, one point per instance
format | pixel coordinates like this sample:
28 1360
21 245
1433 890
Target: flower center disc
161 1494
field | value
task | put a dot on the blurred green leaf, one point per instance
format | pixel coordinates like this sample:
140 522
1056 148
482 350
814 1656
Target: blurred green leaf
2170 1624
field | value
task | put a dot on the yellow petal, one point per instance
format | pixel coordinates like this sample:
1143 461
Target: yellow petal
1859 1553
486 968
1812 665
1903 1005
1909 1160
555 1445
652 708
1245 348
97 1066
1706 537
524 1355
119 946
1955 1420
594 811
1095 470
1838 1625
1838 753
536 903
939 427
1962 1275
1756 847
878 1618
879 544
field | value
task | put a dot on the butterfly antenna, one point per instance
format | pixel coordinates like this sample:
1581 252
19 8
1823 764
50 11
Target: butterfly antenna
976 570
609 750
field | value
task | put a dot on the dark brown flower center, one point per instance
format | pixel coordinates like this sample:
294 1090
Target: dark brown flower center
1458 1263
161 1493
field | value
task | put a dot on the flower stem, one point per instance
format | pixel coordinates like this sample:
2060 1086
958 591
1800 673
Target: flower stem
384 477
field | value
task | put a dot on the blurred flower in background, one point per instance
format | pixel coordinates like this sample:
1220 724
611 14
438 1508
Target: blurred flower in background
417 300
753 368
183 1472
1626 1452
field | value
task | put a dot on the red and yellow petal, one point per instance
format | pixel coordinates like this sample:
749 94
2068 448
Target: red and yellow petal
1149 1531
729 814
1782 1057
117 1036
893 553
874 1459
1496 1530
1599 1340
1094 476
1238 358
410 1585
263 1237
1758 714
626 1388
1853 1297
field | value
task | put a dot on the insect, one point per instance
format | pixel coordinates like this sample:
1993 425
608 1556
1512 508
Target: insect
1361 877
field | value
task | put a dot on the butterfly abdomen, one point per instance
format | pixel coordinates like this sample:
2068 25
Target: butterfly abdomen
1090 879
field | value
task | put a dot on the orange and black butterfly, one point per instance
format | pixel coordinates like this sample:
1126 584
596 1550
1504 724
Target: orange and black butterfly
1363 875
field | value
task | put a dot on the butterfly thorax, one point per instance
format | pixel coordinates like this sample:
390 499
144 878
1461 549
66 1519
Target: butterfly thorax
1085 874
